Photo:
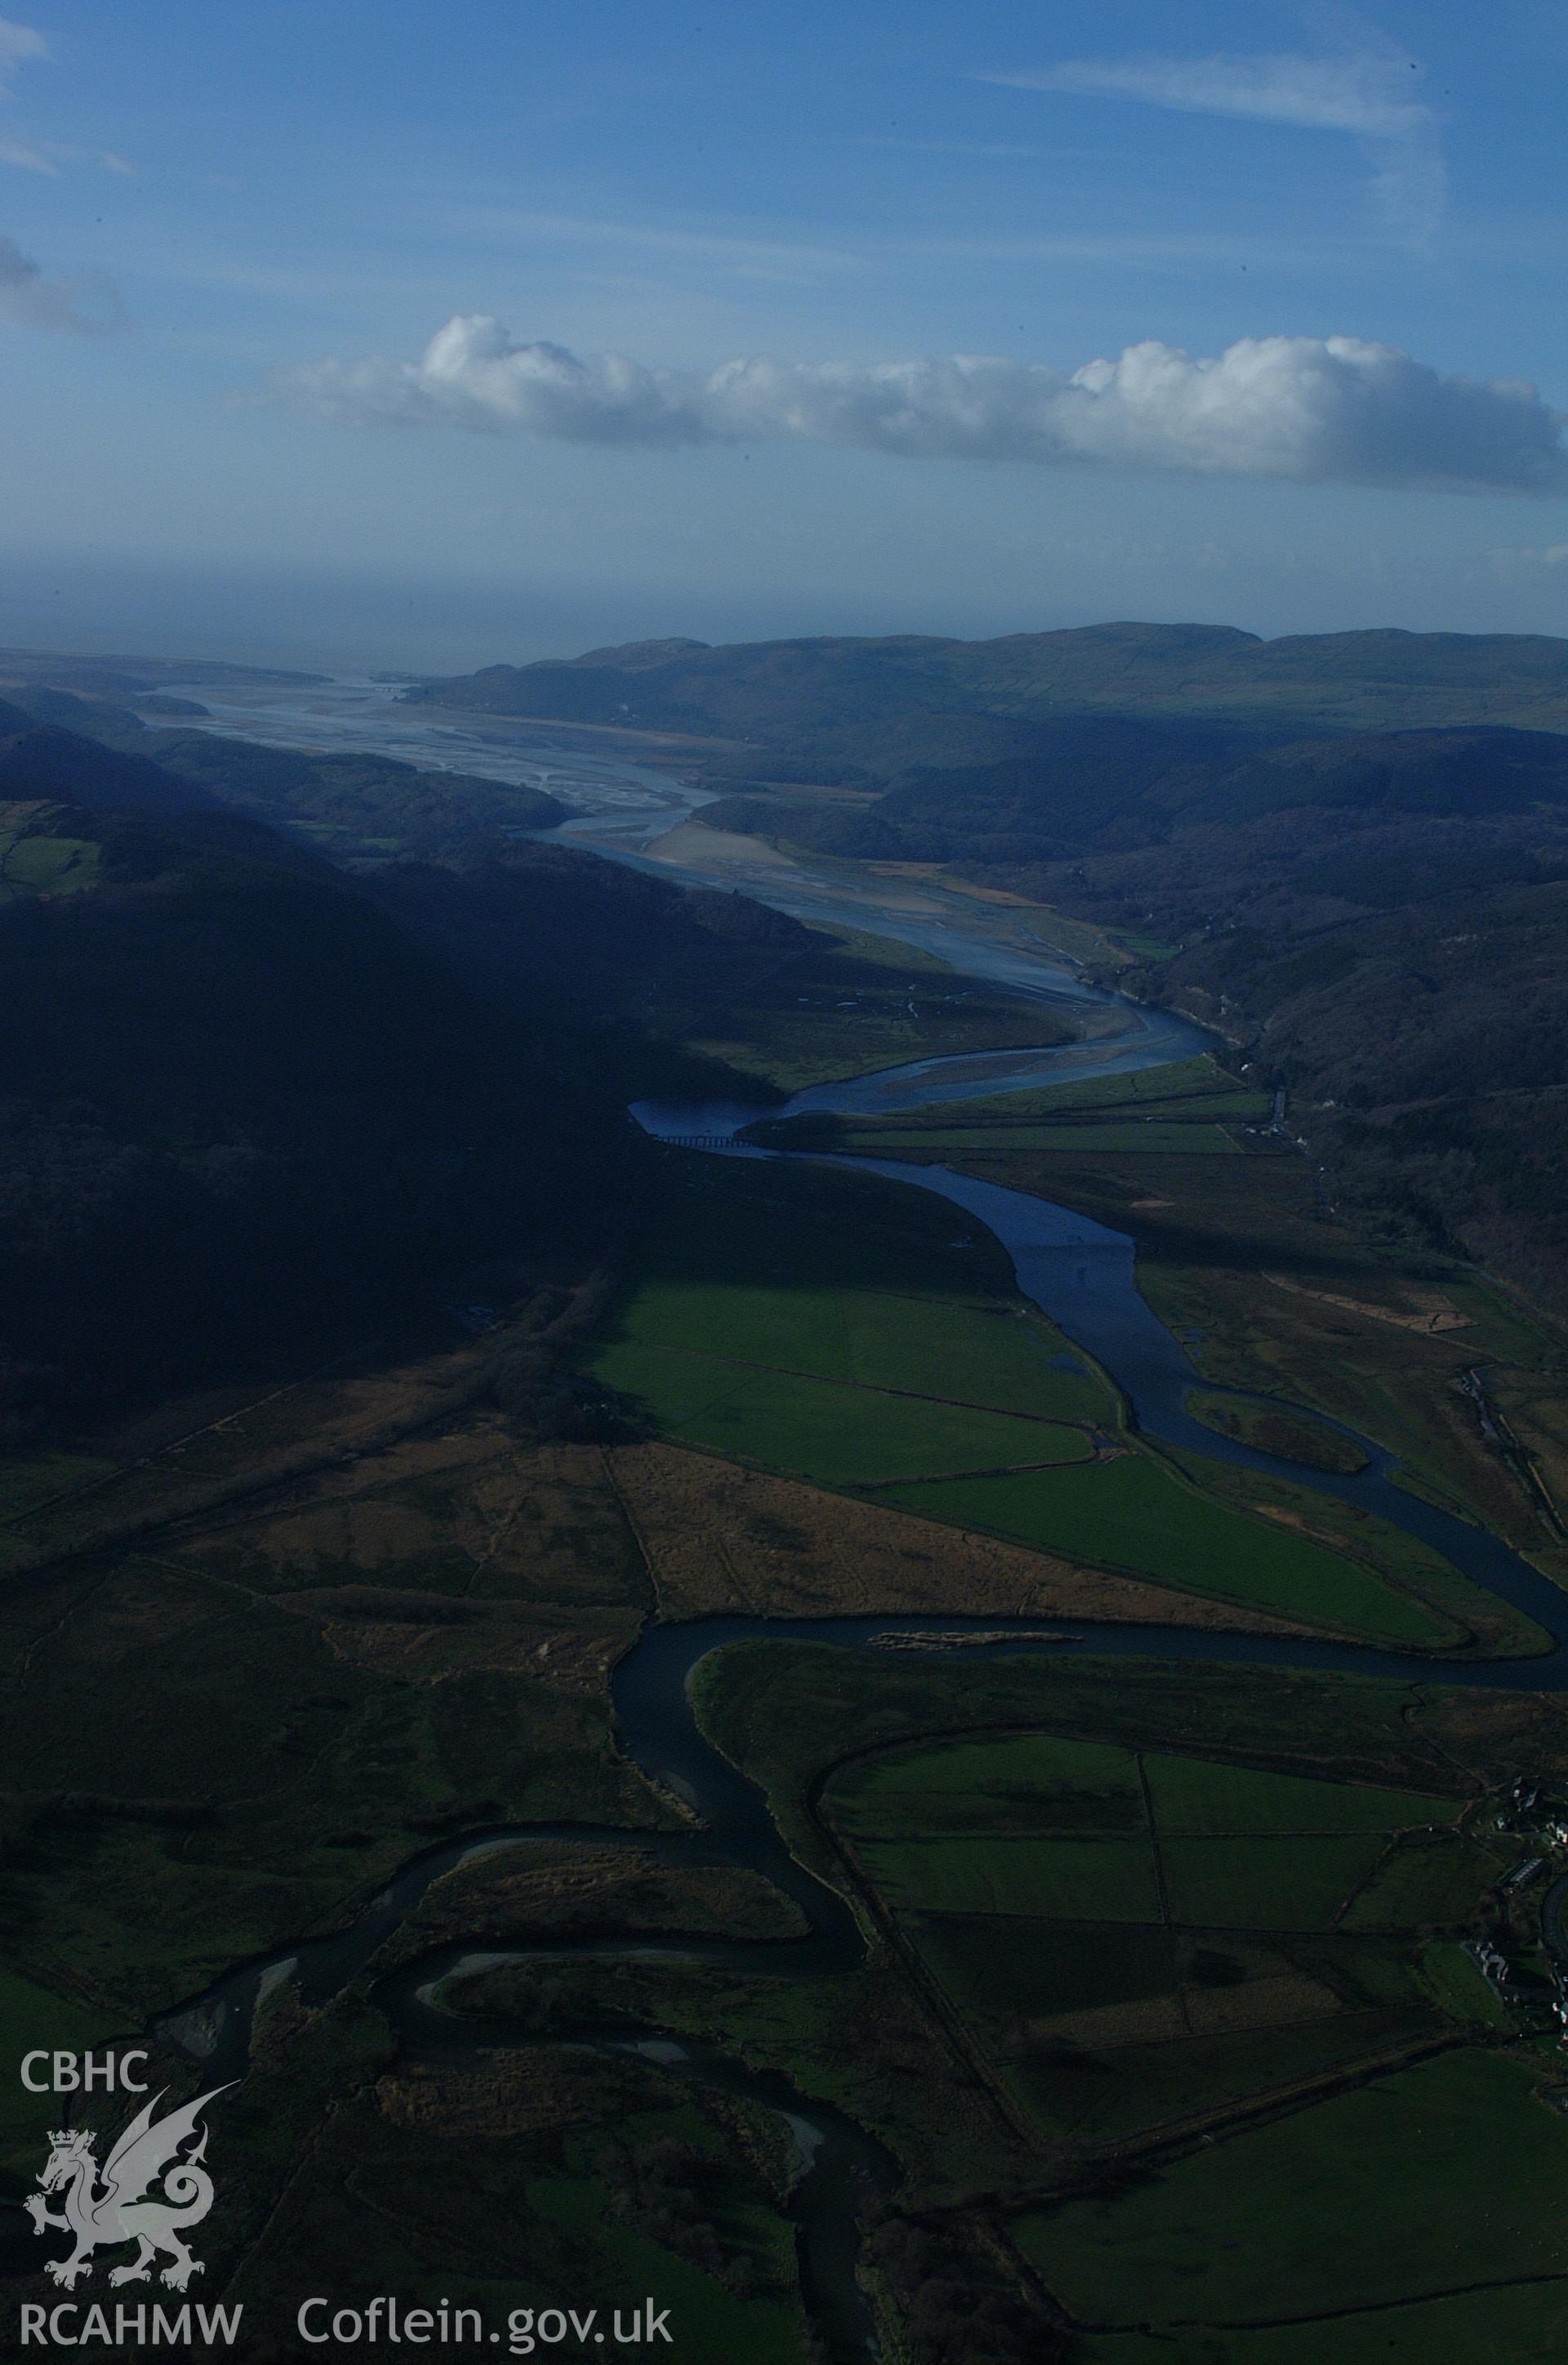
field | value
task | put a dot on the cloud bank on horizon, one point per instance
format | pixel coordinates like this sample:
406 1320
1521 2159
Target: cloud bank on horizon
1304 409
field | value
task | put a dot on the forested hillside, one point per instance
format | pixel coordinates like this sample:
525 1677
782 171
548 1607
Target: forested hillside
1409 983
359 806
242 1095
1352 849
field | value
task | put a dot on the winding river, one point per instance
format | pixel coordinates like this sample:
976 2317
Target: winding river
1079 1273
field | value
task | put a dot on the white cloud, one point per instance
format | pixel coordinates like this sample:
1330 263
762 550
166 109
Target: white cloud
1314 409
29 300
18 44
25 156
1372 95
47 155
1361 95
27 297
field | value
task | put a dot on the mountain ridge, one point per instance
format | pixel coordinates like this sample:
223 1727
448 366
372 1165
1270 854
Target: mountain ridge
835 690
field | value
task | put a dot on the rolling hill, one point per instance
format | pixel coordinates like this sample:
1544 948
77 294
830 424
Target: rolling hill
246 1096
38 759
360 806
1353 847
889 702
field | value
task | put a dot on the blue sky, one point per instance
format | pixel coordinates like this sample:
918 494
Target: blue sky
228 236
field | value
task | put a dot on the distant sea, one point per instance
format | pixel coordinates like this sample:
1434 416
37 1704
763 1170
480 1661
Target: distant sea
310 622
354 622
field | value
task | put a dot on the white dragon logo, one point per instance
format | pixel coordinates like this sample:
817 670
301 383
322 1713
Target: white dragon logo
115 2202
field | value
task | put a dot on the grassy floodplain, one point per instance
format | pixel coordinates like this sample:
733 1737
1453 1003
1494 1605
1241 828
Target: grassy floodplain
1040 1827
803 1329
842 1433
1141 1936
1278 1429
1131 1909
839 1330
850 1002
1445 2176
1132 1512
1525 2323
1066 1880
1192 1108
1276 1296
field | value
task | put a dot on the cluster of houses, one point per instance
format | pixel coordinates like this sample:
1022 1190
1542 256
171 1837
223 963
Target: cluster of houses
1516 1983
1528 1809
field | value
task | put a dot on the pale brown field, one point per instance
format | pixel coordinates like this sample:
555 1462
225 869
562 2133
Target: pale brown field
718 1537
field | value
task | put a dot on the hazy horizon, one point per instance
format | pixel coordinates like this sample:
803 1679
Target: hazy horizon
317 620
459 337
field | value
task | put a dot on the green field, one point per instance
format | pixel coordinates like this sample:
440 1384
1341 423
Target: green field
1147 1136
787 1710
1200 1795
1443 2175
1191 1109
1189 1088
1132 1513
1026 1782
1040 1973
754 1288
1456 1984
1097 2095
1053 1879
764 1326
849 1002
1525 2325
961 1827
1272 1884
955 1792
38 865
1279 1301
778 1272
1200 1082
1425 1882
32 2018
835 1431
999 1971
